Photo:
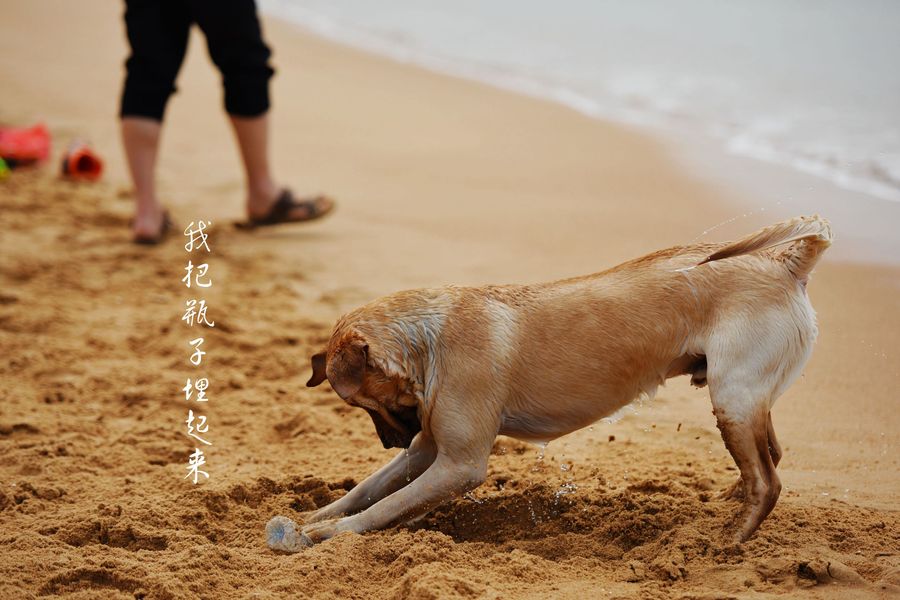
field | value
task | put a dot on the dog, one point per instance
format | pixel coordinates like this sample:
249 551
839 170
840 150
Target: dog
443 371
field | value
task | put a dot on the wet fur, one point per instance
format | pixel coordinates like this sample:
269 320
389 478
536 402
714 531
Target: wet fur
536 362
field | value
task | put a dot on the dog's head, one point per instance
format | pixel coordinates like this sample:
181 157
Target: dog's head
345 364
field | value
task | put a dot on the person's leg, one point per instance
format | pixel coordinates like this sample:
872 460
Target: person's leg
234 38
236 46
252 135
263 192
158 35
140 137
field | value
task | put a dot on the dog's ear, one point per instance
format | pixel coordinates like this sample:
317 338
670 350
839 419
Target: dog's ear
318 367
347 368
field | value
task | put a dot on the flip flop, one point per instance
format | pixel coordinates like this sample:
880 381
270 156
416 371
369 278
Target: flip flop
164 230
316 208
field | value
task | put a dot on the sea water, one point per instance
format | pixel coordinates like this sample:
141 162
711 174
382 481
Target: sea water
811 84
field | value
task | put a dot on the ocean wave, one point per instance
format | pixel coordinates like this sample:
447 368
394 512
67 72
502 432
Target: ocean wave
640 99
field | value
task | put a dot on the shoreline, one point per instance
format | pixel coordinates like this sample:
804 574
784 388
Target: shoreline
641 120
868 221
867 229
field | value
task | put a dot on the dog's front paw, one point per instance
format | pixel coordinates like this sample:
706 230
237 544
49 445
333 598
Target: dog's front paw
323 530
282 535
316 516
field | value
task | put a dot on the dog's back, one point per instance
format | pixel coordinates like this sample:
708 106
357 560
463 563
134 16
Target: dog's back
603 340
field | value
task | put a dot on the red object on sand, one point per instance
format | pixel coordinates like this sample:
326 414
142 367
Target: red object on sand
80 162
24 145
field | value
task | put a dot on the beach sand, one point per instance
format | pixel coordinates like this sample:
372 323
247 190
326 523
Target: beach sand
439 181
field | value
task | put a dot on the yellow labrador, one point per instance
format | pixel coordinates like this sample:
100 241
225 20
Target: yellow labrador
443 371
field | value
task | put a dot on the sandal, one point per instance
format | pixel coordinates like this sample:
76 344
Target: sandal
316 208
164 230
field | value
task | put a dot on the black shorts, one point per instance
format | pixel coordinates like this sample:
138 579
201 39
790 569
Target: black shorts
158 33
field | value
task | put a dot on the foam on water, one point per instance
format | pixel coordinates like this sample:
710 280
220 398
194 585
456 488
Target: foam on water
810 84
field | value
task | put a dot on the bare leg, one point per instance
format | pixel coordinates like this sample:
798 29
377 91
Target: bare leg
252 135
140 137
404 468
263 192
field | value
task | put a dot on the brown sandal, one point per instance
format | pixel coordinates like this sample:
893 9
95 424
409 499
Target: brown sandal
316 208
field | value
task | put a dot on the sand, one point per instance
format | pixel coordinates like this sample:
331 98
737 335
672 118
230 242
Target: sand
439 181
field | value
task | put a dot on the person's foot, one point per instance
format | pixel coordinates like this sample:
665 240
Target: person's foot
285 208
260 201
150 225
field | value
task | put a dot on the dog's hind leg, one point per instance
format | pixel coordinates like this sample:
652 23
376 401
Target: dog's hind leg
743 418
736 490
733 492
403 469
750 365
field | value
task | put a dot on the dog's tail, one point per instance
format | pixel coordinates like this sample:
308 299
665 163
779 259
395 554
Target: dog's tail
808 236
